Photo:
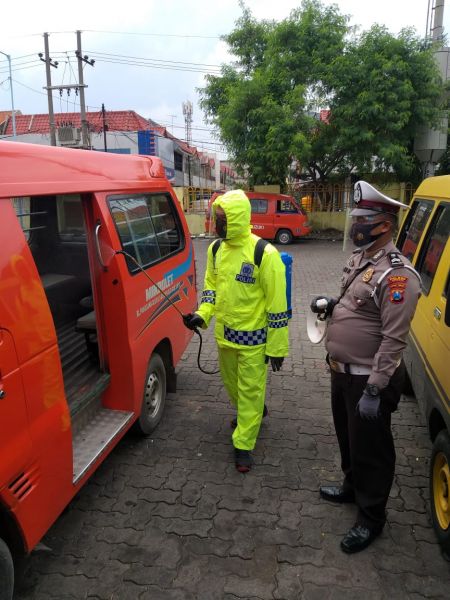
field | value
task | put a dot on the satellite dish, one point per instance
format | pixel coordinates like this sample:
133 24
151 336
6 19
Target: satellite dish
316 327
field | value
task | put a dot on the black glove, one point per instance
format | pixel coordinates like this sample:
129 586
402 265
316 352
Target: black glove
369 404
276 362
327 309
192 321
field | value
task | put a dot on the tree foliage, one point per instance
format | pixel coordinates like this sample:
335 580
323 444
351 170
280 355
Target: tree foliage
379 88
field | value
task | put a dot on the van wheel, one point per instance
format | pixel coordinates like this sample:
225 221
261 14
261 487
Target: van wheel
6 572
154 397
284 236
440 489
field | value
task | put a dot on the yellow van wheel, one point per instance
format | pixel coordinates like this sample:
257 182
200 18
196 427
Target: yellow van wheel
440 489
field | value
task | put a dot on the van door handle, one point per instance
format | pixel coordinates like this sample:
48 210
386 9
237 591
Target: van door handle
97 245
2 394
437 313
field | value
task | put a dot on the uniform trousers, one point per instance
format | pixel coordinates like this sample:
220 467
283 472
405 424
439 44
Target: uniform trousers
244 374
367 446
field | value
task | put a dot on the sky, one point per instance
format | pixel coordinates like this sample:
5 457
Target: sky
150 56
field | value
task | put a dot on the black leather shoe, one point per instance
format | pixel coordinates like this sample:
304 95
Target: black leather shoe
243 460
357 538
336 493
233 422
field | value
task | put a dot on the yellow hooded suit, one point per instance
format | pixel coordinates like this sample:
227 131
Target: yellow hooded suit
249 303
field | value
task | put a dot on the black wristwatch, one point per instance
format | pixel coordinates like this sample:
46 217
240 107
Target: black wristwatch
372 389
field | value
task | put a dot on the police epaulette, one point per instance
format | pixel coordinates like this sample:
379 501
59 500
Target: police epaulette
395 260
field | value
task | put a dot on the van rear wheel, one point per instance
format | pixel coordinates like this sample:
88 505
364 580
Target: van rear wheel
154 397
284 236
440 489
6 572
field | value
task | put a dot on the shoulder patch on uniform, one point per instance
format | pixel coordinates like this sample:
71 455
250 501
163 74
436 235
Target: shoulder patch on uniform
395 259
396 296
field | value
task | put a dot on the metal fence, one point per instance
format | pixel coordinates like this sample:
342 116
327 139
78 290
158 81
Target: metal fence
337 197
195 200
313 197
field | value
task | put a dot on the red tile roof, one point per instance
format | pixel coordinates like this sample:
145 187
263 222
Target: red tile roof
117 120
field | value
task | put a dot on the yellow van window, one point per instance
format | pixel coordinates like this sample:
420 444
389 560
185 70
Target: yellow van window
415 223
433 247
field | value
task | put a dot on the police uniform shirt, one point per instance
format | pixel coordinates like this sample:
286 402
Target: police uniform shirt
361 332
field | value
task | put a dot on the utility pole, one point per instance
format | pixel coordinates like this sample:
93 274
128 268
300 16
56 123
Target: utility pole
81 59
187 112
13 114
104 126
49 63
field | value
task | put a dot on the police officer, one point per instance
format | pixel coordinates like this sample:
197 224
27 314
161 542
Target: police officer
249 303
366 335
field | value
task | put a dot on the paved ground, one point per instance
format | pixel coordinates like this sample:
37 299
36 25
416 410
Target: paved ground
169 517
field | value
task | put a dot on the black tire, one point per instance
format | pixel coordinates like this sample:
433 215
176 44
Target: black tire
440 489
6 572
284 237
154 396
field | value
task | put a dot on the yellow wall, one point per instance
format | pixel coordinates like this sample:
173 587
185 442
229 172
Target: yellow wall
269 189
196 223
327 220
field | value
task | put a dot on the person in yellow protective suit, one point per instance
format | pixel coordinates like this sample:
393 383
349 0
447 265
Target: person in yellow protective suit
249 303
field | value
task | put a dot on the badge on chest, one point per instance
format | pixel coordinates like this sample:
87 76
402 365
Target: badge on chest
246 273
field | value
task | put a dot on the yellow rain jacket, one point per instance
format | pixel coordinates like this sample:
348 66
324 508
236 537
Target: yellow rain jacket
249 303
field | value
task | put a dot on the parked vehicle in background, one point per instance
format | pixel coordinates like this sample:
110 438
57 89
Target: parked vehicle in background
424 239
274 217
88 345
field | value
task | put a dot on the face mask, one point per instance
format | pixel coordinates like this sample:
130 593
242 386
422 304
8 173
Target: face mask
221 227
360 234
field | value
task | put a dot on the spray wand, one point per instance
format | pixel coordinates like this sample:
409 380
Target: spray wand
172 304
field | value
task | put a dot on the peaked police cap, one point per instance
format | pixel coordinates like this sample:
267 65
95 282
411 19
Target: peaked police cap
368 200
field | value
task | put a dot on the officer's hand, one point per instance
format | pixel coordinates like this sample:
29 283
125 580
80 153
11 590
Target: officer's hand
368 406
276 362
193 320
323 305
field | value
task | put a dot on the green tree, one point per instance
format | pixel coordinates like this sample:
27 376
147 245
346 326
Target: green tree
379 88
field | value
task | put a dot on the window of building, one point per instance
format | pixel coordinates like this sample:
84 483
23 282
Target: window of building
148 227
258 205
415 223
178 161
433 246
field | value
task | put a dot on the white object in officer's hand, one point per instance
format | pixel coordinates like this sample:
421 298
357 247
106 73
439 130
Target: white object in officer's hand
322 304
316 325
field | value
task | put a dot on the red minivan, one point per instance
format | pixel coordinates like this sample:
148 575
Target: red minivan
274 217
95 260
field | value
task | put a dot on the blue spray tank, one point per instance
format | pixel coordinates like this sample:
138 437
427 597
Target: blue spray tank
287 260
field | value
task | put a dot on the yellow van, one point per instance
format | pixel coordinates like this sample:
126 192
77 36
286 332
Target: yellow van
424 239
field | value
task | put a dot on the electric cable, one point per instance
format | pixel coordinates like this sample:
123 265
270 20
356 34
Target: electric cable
195 330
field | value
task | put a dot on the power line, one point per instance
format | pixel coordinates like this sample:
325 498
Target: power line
155 66
143 58
135 33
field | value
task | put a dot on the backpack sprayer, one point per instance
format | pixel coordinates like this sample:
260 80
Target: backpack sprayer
287 261
195 330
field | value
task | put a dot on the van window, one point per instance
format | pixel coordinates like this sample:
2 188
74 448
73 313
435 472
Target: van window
413 227
259 205
148 227
433 246
286 206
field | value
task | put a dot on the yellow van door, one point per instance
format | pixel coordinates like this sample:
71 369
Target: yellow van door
429 328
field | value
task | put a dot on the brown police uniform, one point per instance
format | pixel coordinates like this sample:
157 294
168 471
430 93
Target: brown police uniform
365 338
